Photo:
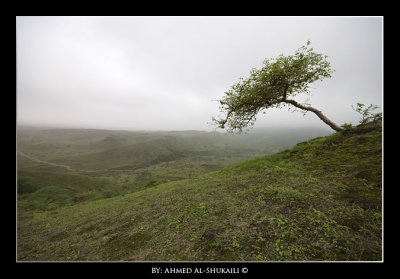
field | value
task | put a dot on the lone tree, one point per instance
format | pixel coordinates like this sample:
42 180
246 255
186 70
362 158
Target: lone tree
273 86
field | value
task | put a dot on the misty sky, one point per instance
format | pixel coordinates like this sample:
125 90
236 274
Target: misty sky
166 73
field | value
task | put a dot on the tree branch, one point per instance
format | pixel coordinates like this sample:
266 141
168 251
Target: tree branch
317 112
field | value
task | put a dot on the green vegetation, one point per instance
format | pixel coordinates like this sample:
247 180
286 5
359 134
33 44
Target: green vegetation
273 86
320 200
366 113
70 166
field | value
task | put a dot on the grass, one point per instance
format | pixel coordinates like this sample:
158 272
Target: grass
80 165
320 200
102 150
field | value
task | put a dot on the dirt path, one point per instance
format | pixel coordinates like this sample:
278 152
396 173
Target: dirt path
48 163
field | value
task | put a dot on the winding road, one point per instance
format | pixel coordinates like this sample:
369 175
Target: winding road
48 163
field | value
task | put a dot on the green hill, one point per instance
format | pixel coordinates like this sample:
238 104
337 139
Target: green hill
101 150
320 200
59 167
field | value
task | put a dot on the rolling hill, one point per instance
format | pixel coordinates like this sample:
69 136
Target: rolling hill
58 167
320 200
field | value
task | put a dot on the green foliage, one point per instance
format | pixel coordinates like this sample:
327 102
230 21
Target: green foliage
366 112
270 86
321 200
47 198
347 126
50 190
26 185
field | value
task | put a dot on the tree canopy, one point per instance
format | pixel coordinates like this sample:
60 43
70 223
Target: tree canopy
272 86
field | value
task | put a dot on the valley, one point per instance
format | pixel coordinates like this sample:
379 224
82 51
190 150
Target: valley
195 197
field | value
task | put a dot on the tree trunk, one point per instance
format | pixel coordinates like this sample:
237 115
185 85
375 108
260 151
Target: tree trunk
317 112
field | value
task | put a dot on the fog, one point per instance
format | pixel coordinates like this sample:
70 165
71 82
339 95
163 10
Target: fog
166 73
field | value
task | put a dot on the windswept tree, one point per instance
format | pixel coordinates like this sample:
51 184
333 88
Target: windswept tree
273 86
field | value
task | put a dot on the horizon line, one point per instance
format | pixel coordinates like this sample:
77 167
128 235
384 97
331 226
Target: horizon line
159 130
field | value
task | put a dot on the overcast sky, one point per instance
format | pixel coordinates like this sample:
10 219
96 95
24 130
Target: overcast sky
166 73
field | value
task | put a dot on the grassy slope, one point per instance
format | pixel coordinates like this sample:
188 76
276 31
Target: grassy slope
53 190
109 163
320 200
